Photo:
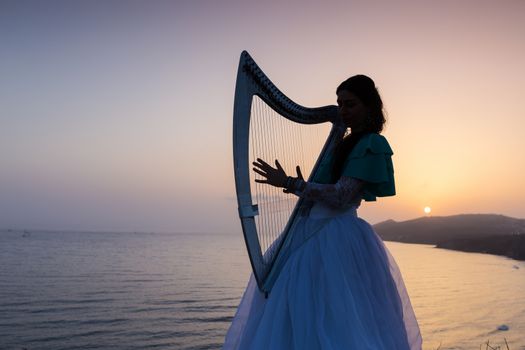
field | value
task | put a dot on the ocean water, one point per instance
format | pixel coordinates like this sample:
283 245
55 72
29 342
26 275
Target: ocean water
82 290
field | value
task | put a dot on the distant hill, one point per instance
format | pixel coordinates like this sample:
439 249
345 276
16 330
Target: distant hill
483 233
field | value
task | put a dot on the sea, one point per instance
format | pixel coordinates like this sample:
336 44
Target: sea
103 290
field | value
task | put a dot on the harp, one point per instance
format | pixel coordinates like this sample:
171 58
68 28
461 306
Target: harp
269 125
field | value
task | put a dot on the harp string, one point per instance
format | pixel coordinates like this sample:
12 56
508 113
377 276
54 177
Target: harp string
274 137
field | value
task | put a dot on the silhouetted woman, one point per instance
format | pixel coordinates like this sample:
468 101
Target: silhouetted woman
339 288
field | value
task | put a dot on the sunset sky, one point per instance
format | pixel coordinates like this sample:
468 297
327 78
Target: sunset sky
117 115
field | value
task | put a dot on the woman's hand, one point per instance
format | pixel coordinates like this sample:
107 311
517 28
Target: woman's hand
274 176
277 176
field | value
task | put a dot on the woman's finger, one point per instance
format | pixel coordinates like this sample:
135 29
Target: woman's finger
299 173
263 162
278 166
264 167
262 173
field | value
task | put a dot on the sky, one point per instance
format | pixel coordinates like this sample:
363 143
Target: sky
117 115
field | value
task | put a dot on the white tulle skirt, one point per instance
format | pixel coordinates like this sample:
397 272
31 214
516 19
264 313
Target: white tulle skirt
339 289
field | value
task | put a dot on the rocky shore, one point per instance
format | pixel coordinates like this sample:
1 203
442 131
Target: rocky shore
480 233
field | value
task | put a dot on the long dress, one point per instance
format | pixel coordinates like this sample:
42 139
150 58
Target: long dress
340 288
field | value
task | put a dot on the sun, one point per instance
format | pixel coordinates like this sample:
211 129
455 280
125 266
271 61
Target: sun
427 210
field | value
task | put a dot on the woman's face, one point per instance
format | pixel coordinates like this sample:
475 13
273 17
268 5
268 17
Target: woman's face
352 111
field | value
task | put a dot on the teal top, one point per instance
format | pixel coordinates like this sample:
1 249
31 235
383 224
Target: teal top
370 161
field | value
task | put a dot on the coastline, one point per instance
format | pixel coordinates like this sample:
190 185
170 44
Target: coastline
475 233
510 246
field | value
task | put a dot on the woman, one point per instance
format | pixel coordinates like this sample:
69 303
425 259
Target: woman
339 288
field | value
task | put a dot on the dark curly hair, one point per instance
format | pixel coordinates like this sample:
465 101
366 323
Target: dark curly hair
365 89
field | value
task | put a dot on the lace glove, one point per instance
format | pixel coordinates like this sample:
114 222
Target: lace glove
345 192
